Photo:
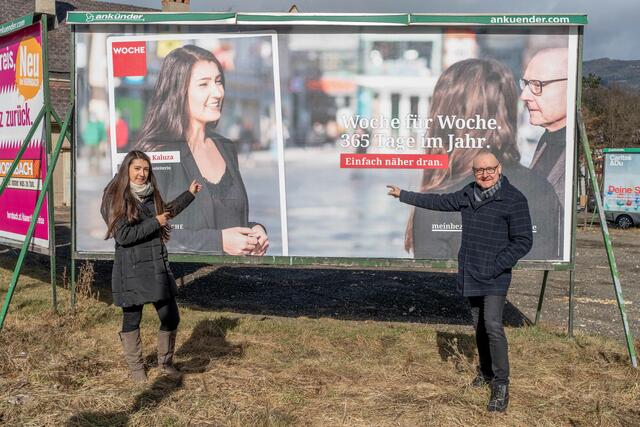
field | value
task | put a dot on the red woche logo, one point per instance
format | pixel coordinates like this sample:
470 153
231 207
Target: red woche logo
129 59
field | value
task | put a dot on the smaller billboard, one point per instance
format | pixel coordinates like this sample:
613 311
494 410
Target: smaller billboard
621 188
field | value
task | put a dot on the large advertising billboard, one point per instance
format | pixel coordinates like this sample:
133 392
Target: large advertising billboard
302 127
21 99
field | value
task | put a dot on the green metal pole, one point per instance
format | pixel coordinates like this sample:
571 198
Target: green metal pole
608 246
593 217
49 189
572 281
32 225
574 209
72 95
594 214
55 116
23 148
574 228
541 297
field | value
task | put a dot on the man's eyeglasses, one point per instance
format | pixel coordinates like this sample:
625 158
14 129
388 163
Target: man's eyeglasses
490 170
535 86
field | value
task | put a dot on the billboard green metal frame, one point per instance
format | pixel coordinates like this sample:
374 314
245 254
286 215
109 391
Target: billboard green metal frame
47 113
76 19
83 18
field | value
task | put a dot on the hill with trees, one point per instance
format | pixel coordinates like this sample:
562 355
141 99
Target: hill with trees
610 100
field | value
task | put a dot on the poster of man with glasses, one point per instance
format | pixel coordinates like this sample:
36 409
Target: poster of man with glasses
544 92
436 99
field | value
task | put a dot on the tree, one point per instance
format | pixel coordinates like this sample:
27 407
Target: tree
611 114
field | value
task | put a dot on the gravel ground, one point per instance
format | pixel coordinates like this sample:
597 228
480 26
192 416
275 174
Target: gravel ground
596 309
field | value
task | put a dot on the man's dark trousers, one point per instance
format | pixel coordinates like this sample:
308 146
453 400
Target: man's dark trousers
490 338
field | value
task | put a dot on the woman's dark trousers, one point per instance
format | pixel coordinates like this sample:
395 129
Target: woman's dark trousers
167 313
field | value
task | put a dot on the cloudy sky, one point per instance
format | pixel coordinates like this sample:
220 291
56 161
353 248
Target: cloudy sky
613 29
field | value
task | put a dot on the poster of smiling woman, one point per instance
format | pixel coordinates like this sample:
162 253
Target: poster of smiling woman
203 107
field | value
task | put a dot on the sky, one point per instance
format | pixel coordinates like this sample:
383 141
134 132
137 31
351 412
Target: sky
613 30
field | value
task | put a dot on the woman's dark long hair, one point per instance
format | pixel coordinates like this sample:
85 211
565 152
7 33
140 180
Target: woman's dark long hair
118 202
167 117
474 86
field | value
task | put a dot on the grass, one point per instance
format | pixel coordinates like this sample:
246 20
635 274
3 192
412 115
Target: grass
245 370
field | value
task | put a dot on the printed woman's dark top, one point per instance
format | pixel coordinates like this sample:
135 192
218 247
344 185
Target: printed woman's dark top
217 207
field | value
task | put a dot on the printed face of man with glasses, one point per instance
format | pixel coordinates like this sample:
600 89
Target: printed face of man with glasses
544 89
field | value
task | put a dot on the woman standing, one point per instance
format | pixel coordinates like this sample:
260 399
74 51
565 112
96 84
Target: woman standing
181 117
137 218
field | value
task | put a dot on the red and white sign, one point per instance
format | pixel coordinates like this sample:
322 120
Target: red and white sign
129 59
394 161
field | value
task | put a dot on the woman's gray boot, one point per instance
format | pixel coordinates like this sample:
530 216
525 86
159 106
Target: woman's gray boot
166 346
132 348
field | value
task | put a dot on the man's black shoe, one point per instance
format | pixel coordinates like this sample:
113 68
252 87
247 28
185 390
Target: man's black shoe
480 381
499 398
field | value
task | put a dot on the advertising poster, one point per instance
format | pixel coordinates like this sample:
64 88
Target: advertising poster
621 189
163 94
21 99
323 118
412 107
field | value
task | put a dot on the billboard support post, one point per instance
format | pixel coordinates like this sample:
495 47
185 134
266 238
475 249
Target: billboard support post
34 218
615 276
50 200
541 297
45 113
72 96
574 193
572 281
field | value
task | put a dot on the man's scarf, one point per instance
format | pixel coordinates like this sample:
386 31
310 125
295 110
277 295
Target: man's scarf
481 194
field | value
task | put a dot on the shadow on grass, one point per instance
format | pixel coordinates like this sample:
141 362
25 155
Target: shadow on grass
206 344
36 265
458 346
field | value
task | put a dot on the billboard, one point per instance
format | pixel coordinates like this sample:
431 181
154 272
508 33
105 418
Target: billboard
317 120
21 99
621 188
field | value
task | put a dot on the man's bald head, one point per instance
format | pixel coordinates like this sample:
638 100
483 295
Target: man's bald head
483 156
550 64
549 107
484 162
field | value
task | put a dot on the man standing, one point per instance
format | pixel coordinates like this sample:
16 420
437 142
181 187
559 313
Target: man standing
544 92
496 233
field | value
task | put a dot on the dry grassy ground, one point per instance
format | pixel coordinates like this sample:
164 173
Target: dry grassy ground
256 370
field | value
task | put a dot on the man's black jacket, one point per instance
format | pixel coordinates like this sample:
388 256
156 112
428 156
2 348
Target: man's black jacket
496 233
